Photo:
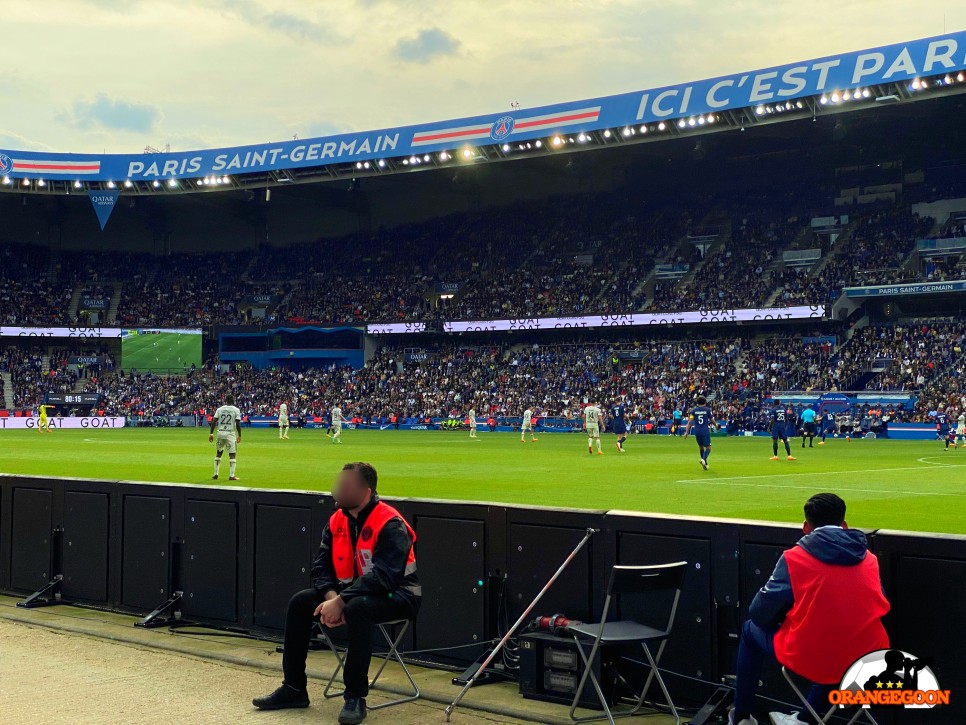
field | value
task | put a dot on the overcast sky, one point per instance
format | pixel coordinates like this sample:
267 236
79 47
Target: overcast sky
116 75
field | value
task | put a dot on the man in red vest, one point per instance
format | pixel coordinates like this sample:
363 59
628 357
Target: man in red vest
364 574
820 610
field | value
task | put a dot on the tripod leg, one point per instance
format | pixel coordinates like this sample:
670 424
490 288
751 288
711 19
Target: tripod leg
486 663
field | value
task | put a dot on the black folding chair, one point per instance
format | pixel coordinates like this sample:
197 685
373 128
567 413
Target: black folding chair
392 641
629 580
830 714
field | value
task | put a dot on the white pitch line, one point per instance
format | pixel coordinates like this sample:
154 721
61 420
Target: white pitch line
822 473
925 459
812 488
736 481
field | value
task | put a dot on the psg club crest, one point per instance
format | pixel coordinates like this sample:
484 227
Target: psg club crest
6 165
501 128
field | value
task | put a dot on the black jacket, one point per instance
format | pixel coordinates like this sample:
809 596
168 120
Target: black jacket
388 574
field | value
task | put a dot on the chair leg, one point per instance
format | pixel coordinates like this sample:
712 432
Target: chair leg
801 696
589 674
831 711
660 681
327 693
650 674
394 653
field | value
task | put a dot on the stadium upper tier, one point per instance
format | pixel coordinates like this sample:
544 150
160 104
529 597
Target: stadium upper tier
569 255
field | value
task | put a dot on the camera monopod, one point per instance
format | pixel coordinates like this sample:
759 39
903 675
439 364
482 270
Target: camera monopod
521 620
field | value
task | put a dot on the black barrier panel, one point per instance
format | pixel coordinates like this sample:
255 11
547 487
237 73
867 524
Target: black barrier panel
925 582
689 650
284 549
534 554
761 547
145 553
210 568
32 530
452 572
708 605
489 569
256 547
85 546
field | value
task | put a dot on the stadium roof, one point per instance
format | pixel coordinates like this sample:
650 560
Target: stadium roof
895 74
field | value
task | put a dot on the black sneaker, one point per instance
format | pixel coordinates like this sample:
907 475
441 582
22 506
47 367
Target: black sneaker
284 697
353 712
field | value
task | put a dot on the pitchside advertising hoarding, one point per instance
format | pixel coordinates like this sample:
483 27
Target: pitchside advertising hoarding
86 423
891 63
637 319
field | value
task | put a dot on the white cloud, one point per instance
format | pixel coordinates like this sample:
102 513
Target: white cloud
15 141
113 114
427 45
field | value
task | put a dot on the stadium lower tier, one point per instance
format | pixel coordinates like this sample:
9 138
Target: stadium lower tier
900 373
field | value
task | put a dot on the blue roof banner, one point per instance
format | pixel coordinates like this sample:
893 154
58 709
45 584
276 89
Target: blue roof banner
891 63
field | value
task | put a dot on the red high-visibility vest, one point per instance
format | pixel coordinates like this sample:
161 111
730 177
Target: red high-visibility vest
836 618
350 564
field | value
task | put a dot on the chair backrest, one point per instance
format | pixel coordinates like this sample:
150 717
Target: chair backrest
646 585
646 579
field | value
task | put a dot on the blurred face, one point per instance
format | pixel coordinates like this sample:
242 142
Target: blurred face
349 490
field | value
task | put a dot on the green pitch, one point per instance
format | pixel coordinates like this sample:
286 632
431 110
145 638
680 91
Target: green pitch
163 351
886 484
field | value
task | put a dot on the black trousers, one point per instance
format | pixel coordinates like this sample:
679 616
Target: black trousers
361 616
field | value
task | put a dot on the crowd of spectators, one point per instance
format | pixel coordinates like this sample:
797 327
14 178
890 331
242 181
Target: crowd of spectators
27 296
568 255
559 380
654 377
874 254
35 371
905 357
30 380
738 273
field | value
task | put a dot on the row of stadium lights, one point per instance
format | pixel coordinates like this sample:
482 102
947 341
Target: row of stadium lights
172 183
918 84
555 142
922 84
857 94
779 108
836 97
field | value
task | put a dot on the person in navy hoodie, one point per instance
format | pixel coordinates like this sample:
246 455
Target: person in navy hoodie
820 610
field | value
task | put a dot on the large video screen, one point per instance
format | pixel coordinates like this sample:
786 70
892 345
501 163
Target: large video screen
160 349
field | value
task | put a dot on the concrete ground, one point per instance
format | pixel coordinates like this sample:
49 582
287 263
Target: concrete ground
66 664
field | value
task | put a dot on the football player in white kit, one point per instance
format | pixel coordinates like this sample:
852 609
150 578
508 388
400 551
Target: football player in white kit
228 421
337 421
472 418
283 421
961 430
527 426
592 416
